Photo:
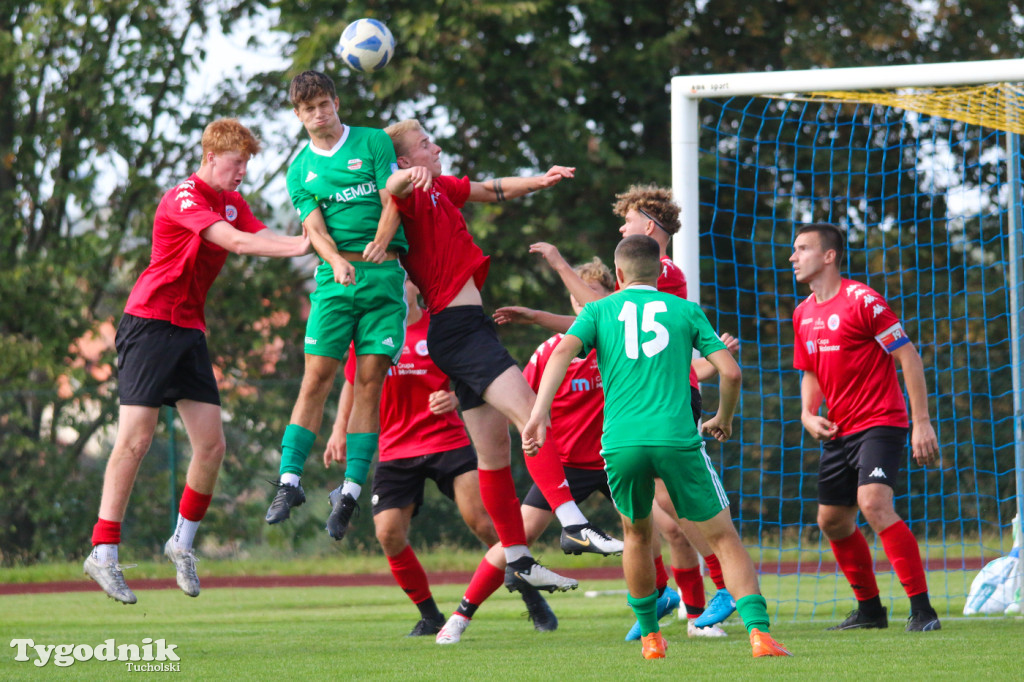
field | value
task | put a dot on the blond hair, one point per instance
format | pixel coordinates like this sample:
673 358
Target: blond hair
398 131
596 272
228 135
655 201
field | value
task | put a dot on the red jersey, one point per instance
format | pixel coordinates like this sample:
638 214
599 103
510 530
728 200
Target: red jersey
577 412
407 426
183 265
846 342
442 254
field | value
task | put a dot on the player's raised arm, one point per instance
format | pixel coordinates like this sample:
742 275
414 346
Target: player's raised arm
922 436
573 282
502 189
262 243
514 314
403 182
535 431
729 382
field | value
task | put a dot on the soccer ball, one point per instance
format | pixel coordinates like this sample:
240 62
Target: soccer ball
367 45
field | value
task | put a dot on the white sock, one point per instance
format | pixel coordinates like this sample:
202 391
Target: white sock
514 552
350 488
184 533
290 479
105 554
570 515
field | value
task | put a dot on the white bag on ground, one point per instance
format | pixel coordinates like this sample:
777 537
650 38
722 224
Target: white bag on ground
996 587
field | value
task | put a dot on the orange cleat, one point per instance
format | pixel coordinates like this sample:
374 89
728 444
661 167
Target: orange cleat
654 645
763 645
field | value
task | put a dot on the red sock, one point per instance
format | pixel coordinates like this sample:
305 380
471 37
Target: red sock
715 571
486 579
854 556
691 587
901 548
660 574
106 532
546 471
193 505
498 492
409 575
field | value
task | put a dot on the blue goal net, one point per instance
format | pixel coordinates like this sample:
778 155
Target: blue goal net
925 201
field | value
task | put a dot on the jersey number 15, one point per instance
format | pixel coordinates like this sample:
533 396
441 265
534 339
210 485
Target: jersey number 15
628 316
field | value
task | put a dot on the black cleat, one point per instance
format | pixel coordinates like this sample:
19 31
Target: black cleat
527 573
538 610
923 621
342 507
856 620
287 496
588 538
427 626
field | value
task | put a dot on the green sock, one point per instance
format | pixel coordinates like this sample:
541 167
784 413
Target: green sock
295 447
753 609
646 610
361 448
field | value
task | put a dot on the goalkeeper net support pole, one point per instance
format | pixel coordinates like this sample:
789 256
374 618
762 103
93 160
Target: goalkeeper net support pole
921 165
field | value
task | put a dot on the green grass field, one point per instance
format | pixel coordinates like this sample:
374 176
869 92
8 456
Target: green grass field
358 633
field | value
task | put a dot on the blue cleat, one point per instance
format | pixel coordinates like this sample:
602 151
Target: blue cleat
719 608
667 603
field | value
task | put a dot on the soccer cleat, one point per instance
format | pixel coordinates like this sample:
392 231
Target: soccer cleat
452 631
710 631
856 620
342 507
667 603
923 621
718 609
287 496
110 578
538 610
184 561
526 571
763 644
588 538
653 646
428 626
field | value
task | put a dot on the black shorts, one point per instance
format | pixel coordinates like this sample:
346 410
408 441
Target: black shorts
582 484
696 404
848 462
464 344
159 363
398 483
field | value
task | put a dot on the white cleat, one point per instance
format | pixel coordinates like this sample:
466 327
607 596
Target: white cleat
184 561
709 631
532 574
589 538
452 631
110 578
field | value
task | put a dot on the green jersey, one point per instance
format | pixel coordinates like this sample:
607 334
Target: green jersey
345 183
645 340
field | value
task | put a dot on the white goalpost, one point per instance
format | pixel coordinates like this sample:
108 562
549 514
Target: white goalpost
922 165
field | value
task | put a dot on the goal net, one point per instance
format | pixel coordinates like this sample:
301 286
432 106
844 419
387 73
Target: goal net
925 180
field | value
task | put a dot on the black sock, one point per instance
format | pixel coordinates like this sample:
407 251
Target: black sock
576 528
872 608
467 608
428 609
921 602
693 610
522 563
531 596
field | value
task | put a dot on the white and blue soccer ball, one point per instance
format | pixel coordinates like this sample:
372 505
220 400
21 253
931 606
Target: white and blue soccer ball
367 45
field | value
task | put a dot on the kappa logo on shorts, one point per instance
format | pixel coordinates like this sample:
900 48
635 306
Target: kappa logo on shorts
877 473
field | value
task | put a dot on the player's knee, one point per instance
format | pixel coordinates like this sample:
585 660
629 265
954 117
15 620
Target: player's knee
392 540
834 528
484 529
211 451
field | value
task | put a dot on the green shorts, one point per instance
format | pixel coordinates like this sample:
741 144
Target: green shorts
370 312
689 476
